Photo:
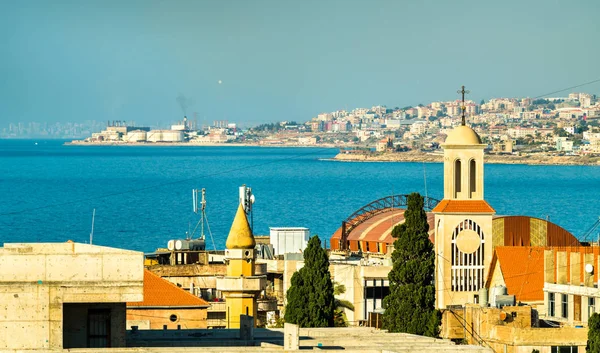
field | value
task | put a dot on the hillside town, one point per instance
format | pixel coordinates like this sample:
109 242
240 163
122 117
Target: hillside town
563 125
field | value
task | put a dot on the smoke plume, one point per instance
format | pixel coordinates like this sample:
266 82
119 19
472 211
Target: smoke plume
184 102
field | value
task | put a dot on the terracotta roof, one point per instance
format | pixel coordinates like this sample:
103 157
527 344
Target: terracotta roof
463 206
159 292
523 271
379 227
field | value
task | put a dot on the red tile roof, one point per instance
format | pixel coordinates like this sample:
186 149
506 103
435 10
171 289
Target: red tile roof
523 271
463 206
159 292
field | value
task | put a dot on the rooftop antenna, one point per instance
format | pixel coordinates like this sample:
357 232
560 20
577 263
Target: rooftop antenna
462 106
92 232
203 217
247 200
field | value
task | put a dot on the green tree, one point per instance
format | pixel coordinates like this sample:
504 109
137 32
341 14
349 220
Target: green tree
310 299
410 306
560 132
340 319
593 343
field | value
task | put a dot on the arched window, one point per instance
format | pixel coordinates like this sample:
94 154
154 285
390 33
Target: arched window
457 177
472 178
467 268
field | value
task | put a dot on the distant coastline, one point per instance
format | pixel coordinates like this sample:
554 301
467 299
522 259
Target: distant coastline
530 159
191 144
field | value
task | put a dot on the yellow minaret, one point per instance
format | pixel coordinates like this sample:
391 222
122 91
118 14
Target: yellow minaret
463 220
240 286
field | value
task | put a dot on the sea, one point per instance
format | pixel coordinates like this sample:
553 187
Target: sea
142 195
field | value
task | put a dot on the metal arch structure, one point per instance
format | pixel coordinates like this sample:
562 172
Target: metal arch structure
382 205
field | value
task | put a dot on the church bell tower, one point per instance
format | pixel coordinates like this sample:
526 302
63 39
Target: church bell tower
463 220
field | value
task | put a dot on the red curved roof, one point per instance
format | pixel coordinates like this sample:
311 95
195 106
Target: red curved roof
379 228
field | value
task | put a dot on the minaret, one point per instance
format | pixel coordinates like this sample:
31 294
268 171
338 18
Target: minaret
240 286
463 220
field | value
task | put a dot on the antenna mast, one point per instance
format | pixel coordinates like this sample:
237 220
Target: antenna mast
203 207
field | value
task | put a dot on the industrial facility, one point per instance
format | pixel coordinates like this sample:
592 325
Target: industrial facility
122 132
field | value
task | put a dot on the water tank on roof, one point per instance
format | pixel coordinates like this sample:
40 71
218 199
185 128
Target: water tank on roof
288 239
171 245
505 300
483 297
194 245
496 291
181 244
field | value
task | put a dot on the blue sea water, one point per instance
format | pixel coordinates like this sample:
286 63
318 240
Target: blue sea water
142 195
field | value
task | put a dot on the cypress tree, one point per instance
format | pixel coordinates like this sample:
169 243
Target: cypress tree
593 343
410 306
310 299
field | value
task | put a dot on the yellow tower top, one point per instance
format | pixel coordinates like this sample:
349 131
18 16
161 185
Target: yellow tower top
240 235
463 135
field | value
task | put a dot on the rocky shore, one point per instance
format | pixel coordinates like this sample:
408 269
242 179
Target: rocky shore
531 159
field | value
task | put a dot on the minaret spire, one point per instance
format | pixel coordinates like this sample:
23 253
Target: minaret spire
462 106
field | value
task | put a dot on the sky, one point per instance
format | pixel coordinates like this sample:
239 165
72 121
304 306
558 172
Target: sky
257 61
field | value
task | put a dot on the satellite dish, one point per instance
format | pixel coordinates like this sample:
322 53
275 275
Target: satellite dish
589 268
252 198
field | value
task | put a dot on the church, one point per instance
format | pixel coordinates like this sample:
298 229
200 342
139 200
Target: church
465 230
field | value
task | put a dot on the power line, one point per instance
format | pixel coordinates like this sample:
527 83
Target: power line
568 88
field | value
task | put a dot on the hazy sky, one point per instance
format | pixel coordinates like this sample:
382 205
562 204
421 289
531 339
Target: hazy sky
282 60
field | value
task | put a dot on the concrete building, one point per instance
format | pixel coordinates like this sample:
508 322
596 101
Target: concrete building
511 329
66 295
563 144
166 306
503 146
570 284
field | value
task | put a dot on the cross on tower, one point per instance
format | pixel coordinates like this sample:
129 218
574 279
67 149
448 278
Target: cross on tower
462 106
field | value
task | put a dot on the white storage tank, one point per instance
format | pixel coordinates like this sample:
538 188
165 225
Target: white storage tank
288 239
172 136
136 136
154 136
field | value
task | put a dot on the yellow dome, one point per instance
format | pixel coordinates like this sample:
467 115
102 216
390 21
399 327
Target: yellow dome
240 236
463 135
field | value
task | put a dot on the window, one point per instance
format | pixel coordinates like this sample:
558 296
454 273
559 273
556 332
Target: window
551 305
564 349
565 306
591 306
457 177
98 328
472 178
467 269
